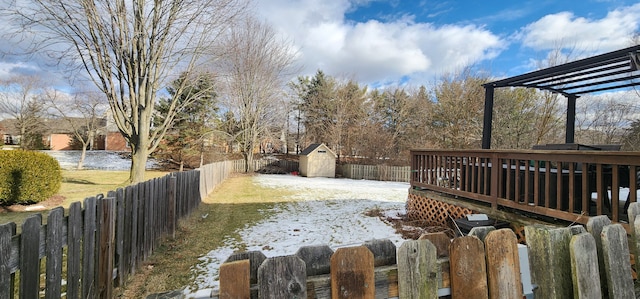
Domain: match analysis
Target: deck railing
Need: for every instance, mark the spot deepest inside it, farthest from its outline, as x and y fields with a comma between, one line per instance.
x=568, y=185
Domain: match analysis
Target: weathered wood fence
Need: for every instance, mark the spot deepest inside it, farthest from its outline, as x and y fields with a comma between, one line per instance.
x=561, y=262
x=266, y=164
x=375, y=172
x=100, y=242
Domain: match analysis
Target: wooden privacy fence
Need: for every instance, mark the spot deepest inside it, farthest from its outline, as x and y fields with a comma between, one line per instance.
x=375, y=172
x=559, y=261
x=100, y=242
x=267, y=164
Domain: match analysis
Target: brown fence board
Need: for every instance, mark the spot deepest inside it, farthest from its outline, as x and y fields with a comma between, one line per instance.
x=468, y=268
x=503, y=264
x=6, y=278
x=256, y=258
x=119, y=236
x=352, y=274
x=29, y=258
x=384, y=252
x=282, y=277
x=235, y=280
x=440, y=240
x=89, y=249
x=105, y=238
x=74, y=238
x=54, y=243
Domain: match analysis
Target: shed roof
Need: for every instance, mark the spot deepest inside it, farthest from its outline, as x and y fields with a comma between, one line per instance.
x=313, y=147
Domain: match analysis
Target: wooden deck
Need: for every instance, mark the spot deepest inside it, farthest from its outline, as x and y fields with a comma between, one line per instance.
x=569, y=185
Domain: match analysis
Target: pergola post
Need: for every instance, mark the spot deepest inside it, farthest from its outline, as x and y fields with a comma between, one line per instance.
x=571, y=119
x=488, y=116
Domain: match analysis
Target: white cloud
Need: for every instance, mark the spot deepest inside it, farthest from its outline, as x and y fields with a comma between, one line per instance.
x=564, y=29
x=375, y=51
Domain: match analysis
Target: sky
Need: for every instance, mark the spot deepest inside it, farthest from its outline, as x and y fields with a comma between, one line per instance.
x=386, y=42
x=393, y=42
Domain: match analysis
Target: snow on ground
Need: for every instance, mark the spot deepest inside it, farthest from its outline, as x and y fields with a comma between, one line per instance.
x=323, y=211
x=103, y=160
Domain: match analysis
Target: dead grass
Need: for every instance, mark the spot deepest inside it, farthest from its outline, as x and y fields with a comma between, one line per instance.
x=236, y=203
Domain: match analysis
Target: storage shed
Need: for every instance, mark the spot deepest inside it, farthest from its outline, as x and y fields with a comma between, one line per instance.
x=318, y=160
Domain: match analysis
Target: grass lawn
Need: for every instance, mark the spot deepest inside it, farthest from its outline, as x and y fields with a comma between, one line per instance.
x=234, y=204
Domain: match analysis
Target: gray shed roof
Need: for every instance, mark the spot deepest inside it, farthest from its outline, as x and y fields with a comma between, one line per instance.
x=310, y=149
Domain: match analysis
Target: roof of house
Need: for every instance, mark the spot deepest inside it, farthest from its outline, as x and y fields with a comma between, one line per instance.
x=313, y=147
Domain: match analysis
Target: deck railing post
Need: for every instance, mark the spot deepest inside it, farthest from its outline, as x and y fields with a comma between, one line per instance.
x=495, y=183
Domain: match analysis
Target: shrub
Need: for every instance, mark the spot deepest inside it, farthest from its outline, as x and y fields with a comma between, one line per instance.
x=28, y=177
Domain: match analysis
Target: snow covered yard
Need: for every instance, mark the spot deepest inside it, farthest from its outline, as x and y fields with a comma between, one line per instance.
x=322, y=211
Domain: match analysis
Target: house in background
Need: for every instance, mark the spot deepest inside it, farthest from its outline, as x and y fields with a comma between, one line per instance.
x=58, y=134
x=318, y=160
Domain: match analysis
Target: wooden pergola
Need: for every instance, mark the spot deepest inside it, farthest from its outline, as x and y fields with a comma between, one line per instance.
x=614, y=70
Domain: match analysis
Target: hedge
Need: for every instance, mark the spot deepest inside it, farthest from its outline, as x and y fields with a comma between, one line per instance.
x=28, y=177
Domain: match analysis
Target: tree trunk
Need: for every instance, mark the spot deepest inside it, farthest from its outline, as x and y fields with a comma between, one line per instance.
x=138, y=164
x=83, y=154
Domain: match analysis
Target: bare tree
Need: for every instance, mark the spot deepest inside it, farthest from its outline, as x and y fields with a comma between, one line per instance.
x=254, y=67
x=84, y=113
x=604, y=119
x=131, y=50
x=456, y=119
x=20, y=100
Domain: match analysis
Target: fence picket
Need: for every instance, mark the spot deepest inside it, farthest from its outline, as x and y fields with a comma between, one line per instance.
x=74, y=238
x=282, y=277
x=615, y=250
x=105, y=247
x=6, y=281
x=352, y=274
x=584, y=266
x=383, y=250
x=595, y=225
x=503, y=264
x=54, y=243
x=417, y=270
x=550, y=260
x=235, y=280
x=119, y=236
x=89, y=249
x=467, y=268
x=317, y=259
x=30, y=259
x=440, y=240
x=256, y=258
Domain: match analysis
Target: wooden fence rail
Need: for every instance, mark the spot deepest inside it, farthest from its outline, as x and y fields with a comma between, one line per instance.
x=562, y=262
x=101, y=242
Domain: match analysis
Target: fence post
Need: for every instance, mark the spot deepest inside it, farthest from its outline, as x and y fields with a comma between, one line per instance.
x=89, y=249
x=467, y=266
x=352, y=274
x=584, y=266
x=282, y=277
x=550, y=261
x=30, y=259
x=615, y=249
x=503, y=264
x=54, y=244
x=417, y=272
x=171, y=193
